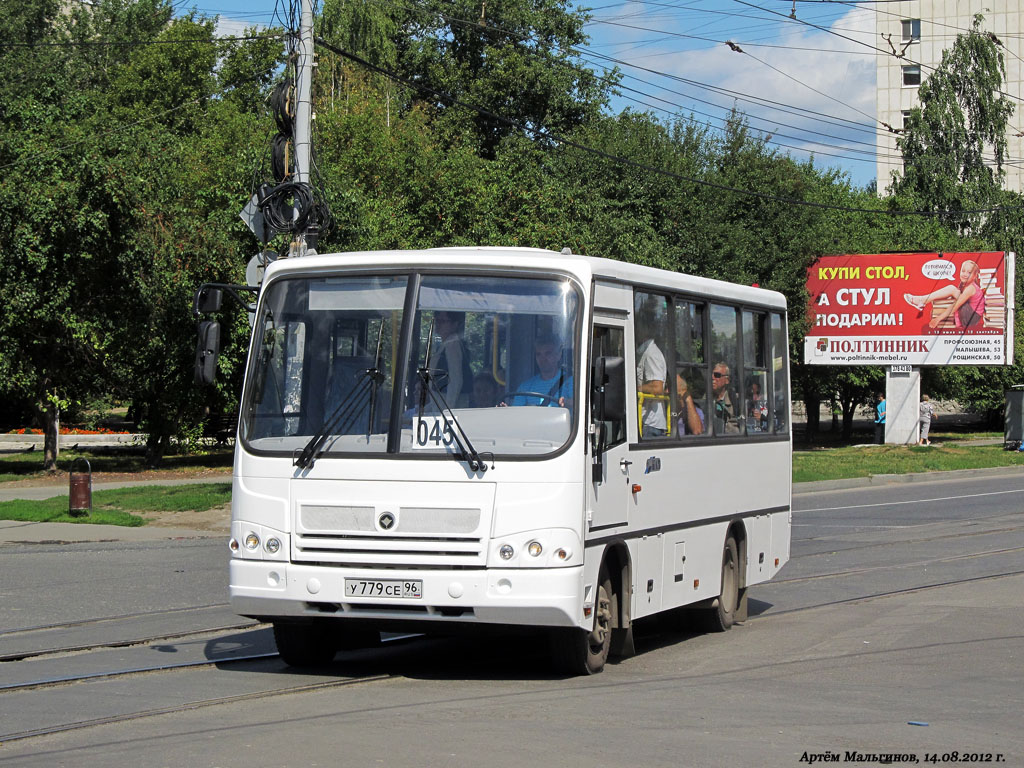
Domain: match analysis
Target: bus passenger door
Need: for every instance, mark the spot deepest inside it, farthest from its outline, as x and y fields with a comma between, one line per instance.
x=609, y=496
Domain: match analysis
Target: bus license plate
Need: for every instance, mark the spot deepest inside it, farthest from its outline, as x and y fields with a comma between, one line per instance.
x=406, y=589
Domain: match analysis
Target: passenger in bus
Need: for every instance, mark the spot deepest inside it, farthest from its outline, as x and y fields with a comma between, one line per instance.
x=485, y=391
x=690, y=416
x=552, y=382
x=651, y=377
x=757, y=408
x=452, y=358
x=726, y=413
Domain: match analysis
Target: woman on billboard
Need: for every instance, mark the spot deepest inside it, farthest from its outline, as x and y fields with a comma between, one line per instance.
x=968, y=307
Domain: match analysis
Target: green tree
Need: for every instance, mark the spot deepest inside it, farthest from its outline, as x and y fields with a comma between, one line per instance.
x=954, y=144
x=60, y=236
x=954, y=149
x=514, y=59
x=123, y=172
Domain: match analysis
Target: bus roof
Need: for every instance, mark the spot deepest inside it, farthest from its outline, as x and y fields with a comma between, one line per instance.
x=584, y=268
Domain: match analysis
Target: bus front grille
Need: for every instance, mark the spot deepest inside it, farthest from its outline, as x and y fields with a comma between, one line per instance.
x=389, y=537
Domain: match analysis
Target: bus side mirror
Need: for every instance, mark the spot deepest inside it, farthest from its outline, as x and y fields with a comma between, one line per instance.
x=206, y=352
x=609, y=388
x=209, y=299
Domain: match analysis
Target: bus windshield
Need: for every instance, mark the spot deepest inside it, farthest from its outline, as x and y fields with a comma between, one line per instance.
x=340, y=364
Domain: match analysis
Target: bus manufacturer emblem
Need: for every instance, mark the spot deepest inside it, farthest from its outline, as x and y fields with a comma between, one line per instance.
x=386, y=521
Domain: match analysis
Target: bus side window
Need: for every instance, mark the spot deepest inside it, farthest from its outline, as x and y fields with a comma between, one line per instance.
x=780, y=389
x=609, y=342
x=654, y=408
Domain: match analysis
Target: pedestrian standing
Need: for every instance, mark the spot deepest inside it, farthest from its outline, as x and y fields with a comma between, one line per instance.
x=880, y=420
x=925, y=412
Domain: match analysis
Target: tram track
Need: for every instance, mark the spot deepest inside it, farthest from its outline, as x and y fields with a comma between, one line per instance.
x=901, y=542
x=108, y=684
x=69, y=679
x=186, y=707
x=118, y=631
x=323, y=685
x=112, y=675
x=103, y=619
x=909, y=564
x=63, y=649
x=889, y=593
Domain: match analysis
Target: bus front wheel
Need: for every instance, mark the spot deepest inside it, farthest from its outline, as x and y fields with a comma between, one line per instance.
x=723, y=614
x=579, y=652
x=304, y=645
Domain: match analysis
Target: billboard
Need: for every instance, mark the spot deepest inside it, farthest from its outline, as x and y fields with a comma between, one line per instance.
x=911, y=309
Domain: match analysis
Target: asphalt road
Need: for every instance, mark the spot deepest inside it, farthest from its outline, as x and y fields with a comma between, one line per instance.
x=896, y=628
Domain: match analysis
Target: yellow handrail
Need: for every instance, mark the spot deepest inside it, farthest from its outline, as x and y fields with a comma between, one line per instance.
x=494, y=355
x=640, y=398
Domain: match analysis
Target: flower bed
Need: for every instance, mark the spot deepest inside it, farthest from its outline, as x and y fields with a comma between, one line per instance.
x=68, y=431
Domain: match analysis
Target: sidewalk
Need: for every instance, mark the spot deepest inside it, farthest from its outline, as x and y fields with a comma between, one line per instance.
x=16, y=532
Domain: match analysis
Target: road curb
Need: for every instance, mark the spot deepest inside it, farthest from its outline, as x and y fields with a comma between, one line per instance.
x=915, y=477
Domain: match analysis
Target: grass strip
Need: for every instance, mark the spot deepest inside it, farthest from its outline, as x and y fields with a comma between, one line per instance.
x=863, y=461
x=117, y=506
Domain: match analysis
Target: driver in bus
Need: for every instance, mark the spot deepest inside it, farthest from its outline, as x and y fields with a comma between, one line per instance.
x=552, y=384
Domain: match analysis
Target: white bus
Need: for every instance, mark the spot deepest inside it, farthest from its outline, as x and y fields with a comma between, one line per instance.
x=506, y=438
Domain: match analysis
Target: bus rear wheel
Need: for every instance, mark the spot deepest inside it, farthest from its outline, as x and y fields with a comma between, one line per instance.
x=579, y=652
x=722, y=616
x=308, y=644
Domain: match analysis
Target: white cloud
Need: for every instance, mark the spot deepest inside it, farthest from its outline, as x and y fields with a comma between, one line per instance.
x=232, y=27
x=815, y=71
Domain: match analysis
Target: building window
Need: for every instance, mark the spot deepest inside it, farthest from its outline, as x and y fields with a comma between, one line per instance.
x=912, y=76
x=906, y=118
x=911, y=30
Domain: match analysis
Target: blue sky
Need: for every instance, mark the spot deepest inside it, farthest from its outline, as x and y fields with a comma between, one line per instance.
x=809, y=82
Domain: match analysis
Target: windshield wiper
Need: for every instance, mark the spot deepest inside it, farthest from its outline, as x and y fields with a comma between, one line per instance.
x=343, y=415
x=428, y=386
x=376, y=375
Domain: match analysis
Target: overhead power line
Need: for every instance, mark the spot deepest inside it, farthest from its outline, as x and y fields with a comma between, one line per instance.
x=812, y=146
x=817, y=147
x=131, y=43
x=542, y=133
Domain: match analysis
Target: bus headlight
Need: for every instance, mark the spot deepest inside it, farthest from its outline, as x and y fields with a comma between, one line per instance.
x=272, y=545
x=546, y=548
x=252, y=541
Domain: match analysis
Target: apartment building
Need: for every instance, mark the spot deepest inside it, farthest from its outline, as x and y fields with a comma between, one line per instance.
x=921, y=30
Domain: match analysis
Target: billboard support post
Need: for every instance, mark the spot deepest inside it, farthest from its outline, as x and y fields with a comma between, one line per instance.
x=902, y=399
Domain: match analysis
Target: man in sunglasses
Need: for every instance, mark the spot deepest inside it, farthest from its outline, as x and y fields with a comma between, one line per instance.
x=726, y=420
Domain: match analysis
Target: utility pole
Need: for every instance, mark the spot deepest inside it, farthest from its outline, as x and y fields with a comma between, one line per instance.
x=303, y=133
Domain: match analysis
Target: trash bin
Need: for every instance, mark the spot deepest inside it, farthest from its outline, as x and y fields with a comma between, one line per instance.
x=1014, y=418
x=80, y=488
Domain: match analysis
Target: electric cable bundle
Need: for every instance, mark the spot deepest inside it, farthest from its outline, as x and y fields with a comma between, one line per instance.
x=290, y=205
x=287, y=206
x=281, y=101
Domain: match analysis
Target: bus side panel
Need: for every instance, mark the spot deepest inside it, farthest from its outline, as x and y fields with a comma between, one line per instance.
x=759, y=549
x=782, y=531
x=676, y=568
